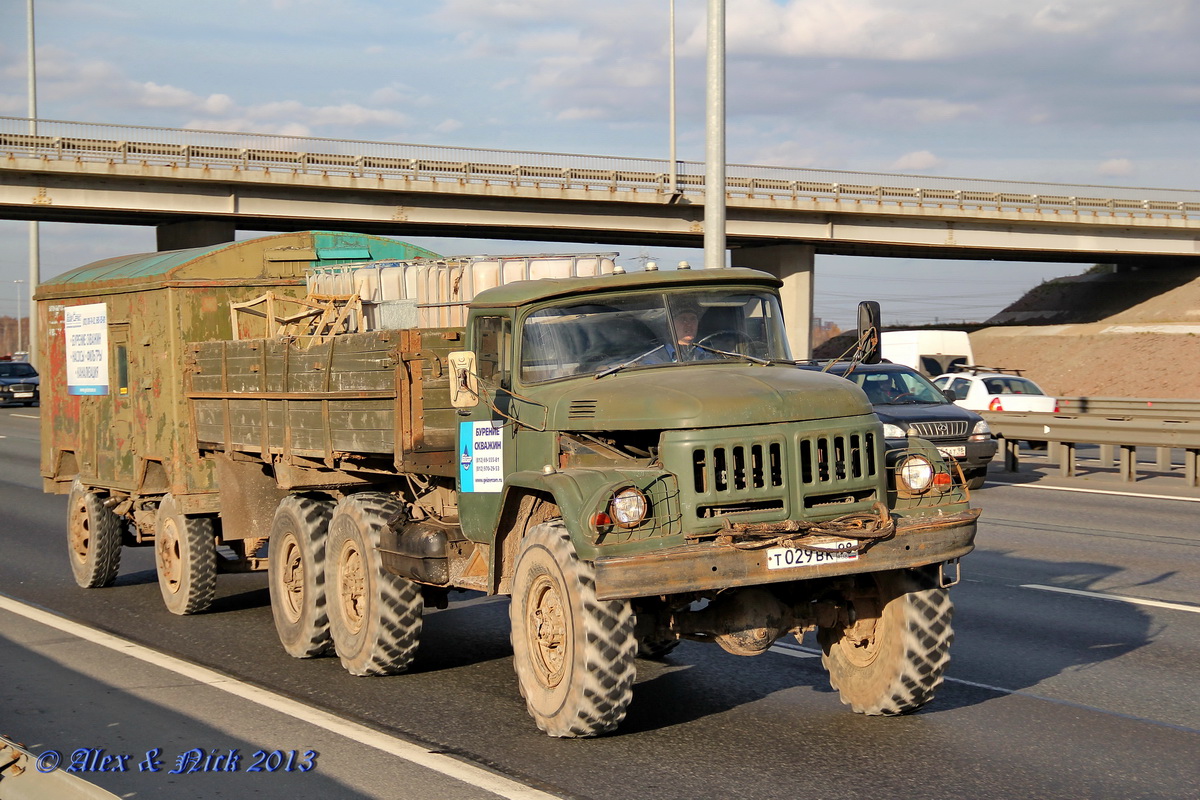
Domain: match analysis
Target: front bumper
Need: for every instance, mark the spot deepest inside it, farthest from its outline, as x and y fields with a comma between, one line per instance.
x=919, y=541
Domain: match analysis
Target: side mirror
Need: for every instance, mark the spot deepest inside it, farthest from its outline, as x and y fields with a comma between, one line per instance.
x=868, y=332
x=951, y=395
x=464, y=381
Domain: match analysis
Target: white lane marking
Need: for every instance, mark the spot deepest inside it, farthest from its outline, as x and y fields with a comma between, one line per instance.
x=437, y=762
x=804, y=652
x=1096, y=491
x=1137, y=601
x=25, y=416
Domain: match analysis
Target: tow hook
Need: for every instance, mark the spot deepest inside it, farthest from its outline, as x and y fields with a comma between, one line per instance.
x=944, y=579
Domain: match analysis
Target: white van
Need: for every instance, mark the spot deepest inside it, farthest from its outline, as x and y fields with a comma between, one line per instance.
x=929, y=352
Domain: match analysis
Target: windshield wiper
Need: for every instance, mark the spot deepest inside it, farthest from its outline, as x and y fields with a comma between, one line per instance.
x=751, y=359
x=634, y=360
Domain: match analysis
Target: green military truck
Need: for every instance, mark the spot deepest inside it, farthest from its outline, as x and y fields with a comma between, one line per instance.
x=632, y=458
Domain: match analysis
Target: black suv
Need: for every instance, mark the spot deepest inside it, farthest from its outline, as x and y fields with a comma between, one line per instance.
x=18, y=383
x=909, y=405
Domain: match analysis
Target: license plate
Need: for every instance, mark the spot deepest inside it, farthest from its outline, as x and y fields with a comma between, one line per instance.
x=813, y=555
x=22, y=394
x=955, y=452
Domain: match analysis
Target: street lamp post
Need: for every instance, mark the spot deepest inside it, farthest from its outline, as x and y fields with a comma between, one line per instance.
x=35, y=260
x=20, y=343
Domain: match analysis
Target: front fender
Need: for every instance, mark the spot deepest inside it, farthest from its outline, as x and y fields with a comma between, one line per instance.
x=580, y=493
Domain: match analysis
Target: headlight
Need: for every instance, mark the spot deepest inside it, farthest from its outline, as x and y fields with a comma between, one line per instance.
x=891, y=431
x=915, y=474
x=981, y=432
x=628, y=507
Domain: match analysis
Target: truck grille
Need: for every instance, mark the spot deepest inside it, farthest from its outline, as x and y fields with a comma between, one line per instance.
x=742, y=467
x=940, y=430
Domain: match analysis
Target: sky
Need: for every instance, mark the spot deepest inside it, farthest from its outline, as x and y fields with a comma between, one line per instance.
x=1076, y=91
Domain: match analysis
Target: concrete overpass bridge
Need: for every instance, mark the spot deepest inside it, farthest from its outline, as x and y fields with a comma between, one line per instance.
x=201, y=187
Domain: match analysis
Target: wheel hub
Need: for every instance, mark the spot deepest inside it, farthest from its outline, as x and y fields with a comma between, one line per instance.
x=292, y=578
x=352, y=588
x=166, y=546
x=81, y=535
x=548, y=631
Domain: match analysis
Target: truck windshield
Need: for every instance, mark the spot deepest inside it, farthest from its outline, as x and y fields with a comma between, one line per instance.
x=652, y=329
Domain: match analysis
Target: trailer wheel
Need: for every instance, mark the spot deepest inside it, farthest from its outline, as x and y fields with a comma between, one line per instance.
x=296, y=575
x=93, y=539
x=374, y=616
x=891, y=661
x=574, y=654
x=185, y=555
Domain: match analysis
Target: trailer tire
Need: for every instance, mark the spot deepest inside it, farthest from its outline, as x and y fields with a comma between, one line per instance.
x=185, y=557
x=93, y=539
x=296, y=575
x=901, y=666
x=374, y=616
x=574, y=654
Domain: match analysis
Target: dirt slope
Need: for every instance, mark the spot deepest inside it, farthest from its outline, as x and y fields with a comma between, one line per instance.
x=1116, y=336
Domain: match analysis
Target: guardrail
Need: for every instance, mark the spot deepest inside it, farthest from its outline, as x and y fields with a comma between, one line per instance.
x=77, y=141
x=1119, y=426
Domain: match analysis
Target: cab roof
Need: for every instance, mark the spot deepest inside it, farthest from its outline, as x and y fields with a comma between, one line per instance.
x=525, y=292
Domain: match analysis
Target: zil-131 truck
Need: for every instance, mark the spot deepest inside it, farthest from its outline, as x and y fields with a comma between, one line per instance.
x=634, y=459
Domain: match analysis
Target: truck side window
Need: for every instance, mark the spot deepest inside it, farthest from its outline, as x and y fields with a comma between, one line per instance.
x=493, y=343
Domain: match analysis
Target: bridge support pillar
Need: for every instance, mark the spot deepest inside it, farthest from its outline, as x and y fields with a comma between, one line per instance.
x=793, y=263
x=194, y=233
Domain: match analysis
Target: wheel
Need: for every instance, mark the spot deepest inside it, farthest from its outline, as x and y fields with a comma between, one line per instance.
x=738, y=337
x=296, y=575
x=896, y=664
x=185, y=555
x=374, y=616
x=93, y=539
x=574, y=654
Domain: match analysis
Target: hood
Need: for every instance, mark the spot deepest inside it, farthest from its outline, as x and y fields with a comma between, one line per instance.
x=700, y=396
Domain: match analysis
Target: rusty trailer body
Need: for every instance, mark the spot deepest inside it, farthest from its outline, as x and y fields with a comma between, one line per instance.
x=129, y=430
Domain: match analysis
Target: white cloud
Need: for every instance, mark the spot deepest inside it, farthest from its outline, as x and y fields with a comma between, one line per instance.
x=1116, y=168
x=919, y=161
x=576, y=113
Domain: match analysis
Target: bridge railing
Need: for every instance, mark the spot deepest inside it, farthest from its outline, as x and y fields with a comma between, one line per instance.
x=389, y=160
x=1117, y=425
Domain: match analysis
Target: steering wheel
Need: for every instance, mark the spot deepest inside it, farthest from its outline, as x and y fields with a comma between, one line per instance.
x=903, y=395
x=742, y=338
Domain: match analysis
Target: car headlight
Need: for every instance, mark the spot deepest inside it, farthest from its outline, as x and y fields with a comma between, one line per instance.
x=628, y=507
x=981, y=432
x=891, y=431
x=915, y=474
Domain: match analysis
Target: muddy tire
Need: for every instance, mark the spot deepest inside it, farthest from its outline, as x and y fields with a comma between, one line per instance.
x=93, y=539
x=374, y=616
x=901, y=665
x=185, y=556
x=296, y=575
x=574, y=654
